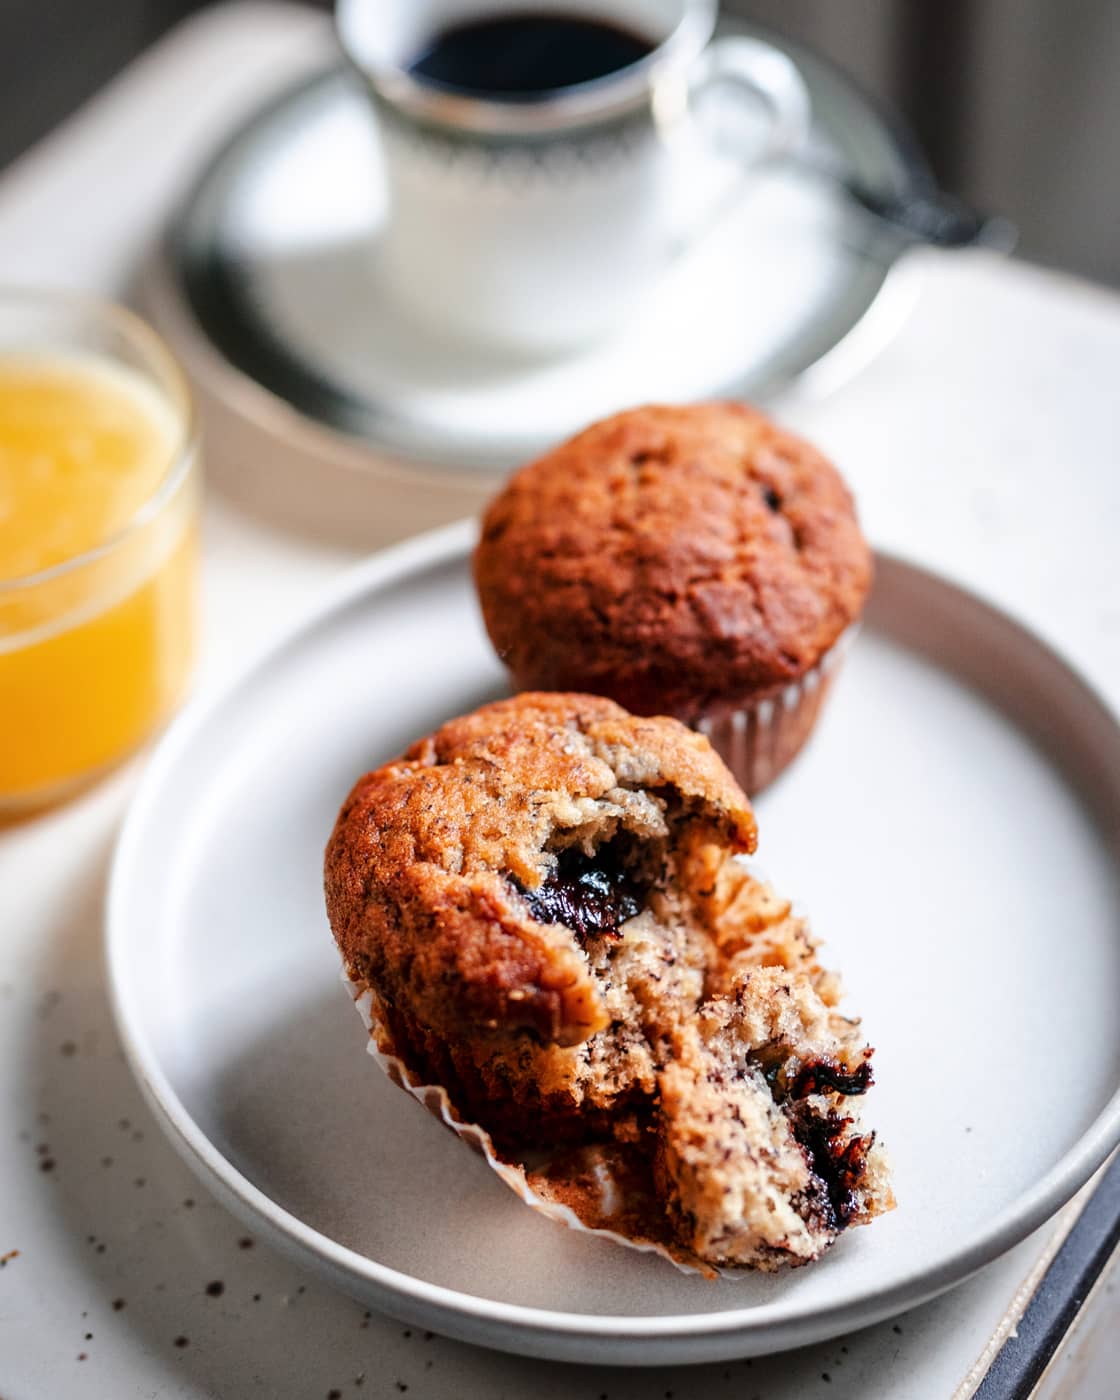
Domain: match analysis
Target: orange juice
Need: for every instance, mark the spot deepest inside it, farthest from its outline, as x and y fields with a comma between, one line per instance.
x=97, y=545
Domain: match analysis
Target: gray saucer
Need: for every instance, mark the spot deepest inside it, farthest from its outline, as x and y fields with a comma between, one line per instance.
x=267, y=286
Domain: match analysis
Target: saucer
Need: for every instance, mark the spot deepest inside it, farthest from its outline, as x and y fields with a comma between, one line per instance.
x=267, y=284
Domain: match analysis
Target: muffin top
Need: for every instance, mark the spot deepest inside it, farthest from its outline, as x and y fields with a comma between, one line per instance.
x=461, y=878
x=675, y=559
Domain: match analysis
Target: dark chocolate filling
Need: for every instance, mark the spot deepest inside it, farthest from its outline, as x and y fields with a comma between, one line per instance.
x=837, y=1165
x=820, y=1075
x=592, y=895
x=813, y=1077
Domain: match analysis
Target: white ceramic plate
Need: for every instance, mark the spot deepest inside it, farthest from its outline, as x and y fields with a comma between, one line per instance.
x=952, y=830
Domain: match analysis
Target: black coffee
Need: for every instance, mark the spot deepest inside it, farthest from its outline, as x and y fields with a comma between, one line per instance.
x=527, y=55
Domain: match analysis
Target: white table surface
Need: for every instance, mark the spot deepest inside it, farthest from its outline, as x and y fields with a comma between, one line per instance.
x=983, y=442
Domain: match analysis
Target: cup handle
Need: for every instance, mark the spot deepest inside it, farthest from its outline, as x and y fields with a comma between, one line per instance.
x=770, y=77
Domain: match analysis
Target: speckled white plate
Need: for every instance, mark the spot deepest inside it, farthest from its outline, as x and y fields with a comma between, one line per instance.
x=952, y=830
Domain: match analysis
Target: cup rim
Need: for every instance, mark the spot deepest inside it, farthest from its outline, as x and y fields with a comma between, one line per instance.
x=185, y=448
x=581, y=104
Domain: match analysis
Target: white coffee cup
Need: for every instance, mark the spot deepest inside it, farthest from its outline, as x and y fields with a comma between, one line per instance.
x=534, y=226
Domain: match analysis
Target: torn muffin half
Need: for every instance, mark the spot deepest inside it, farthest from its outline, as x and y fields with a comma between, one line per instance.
x=544, y=912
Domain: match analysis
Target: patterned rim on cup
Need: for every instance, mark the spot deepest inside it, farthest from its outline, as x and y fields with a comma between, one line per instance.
x=602, y=99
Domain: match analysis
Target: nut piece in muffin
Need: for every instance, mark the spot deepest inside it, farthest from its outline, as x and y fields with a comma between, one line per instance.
x=695, y=561
x=544, y=904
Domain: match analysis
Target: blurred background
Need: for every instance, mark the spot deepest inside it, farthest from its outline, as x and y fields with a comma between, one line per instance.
x=1017, y=102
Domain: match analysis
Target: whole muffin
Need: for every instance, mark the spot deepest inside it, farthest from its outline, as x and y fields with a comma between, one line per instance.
x=694, y=561
x=543, y=906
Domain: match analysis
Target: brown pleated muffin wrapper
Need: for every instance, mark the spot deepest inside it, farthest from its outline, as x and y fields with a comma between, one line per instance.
x=759, y=740
x=588, y=1190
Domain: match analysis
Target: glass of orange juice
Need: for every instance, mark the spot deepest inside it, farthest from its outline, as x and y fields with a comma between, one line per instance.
x=98, y=535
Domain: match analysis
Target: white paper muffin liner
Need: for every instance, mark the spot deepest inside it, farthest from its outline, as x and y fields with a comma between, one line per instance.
x=436, y=1100
x=758, y=740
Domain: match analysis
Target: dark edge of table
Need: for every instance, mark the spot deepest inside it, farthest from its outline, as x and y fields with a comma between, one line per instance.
x=1068, y=1281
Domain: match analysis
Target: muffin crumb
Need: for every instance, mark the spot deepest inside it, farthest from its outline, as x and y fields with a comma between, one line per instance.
x=544, y=905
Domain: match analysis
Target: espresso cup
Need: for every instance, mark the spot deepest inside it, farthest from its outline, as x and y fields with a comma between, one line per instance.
x=534, y=223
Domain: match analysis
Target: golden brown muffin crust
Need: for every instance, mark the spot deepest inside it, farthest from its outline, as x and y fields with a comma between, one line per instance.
x=417, y=869
x=543, y=908
x=674, y=558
